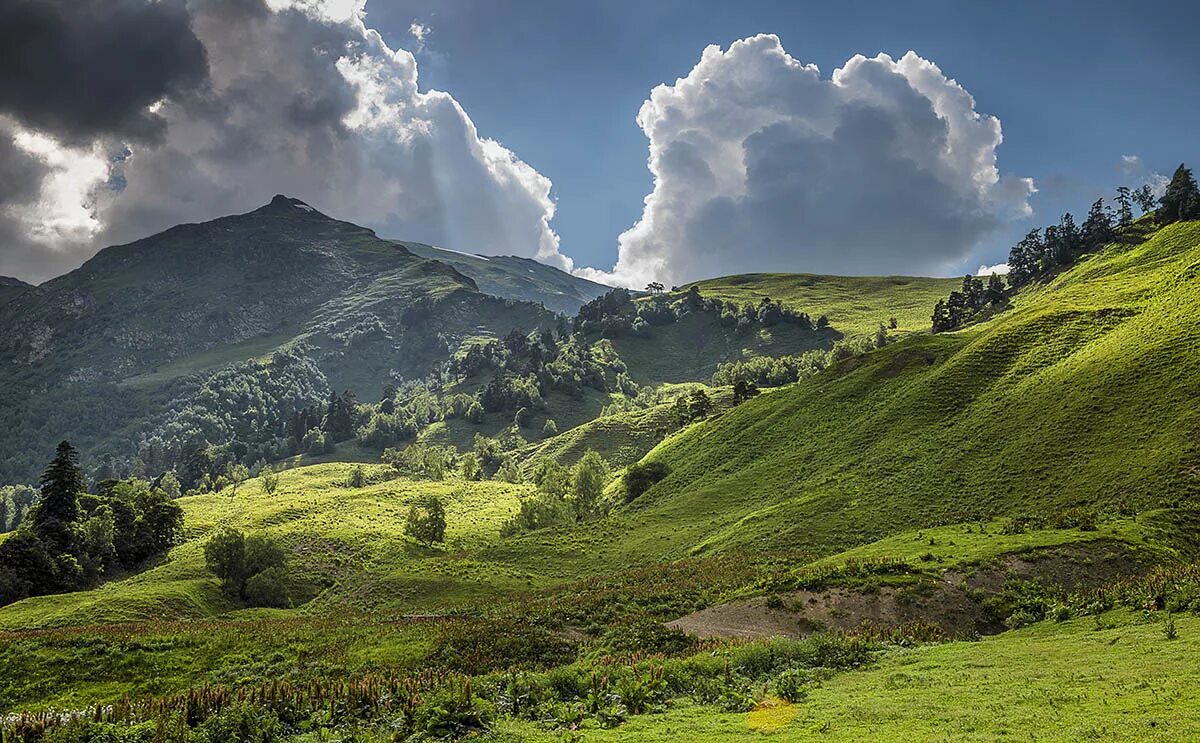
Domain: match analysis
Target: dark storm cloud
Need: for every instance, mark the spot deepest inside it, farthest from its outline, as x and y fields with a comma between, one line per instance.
x=83, y=68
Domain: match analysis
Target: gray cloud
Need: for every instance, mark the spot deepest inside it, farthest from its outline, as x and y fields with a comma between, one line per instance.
x=81, y=68
x=762, y=165
x=300, y=98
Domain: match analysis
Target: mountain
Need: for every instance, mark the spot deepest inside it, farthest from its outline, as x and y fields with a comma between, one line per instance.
x=517, y=278
x=135, y=331
x=10, y=288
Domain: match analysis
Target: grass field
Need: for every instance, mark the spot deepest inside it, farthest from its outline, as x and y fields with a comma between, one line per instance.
x=1109, y=678
x=855, y=305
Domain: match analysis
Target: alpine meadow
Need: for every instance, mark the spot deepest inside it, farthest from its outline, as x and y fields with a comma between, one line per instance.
x=386, y=456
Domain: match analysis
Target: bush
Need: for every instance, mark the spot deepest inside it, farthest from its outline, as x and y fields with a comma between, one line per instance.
x=357, y=478
x=453, y=714
x=642, y=476
x=793, y=685
x=643, y=634
x=242, y=722
x=550, y=429
x=268, y=588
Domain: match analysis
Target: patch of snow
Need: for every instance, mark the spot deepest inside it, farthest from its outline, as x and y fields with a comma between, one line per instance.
x=305, y=207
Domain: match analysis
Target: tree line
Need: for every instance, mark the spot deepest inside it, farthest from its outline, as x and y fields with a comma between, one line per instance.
x=1049, y=249
x=72, y=539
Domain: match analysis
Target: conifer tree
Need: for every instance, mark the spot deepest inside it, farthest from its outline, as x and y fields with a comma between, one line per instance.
x=1181, y=200
x=62, y=482
x=1124, y=206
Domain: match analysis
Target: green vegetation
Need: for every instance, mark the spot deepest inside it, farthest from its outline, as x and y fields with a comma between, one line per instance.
x=854, y=305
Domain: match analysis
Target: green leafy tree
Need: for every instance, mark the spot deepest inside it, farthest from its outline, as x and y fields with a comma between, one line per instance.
x=357, y=478
x=268, y=480
x=225, y=557
x=1144, y=196
x=426, y=521
x=588, y=481
x=995, y=290
x=743, y=390
x=550, y=428
x=699, y=405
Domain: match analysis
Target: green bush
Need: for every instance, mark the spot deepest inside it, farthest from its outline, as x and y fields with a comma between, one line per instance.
x=242, y=722
x=793, y=685
x=268, y=588
x=641, y=476
x=643, y=634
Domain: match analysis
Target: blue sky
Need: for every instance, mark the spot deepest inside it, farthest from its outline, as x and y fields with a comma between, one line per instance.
x=1076, y=85
x=760, y=163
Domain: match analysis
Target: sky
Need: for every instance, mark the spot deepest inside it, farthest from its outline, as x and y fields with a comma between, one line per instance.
x=622, y=141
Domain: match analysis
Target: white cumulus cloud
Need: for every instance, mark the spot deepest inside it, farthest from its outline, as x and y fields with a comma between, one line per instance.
x=760, y=164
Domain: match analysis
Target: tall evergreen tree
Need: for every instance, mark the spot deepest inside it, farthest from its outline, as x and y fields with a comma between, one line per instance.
x=62, y=482
x=1181, y=200
x=995, y=290
x=1098, y=227
x=1124, y=206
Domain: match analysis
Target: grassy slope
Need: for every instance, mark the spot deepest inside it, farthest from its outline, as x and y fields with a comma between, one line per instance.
x=1112, y=678
x=854, y=304
x=1081, y=394
x=346, y=544
x=518, y=278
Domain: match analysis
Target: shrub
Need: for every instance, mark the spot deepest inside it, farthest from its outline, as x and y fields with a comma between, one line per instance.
x=452, y=714
x=476, y=647
x=793, y=685
x=550, y=429
x=243, y=722
x=357, y=478
x=268, y=588
x=641, y=476
x=643, y=634
x=426, y=521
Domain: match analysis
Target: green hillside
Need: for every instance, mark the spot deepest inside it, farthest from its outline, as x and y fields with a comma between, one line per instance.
x=853, y=304
x=513, y=277
x=1031, y=477
x=1081, y=394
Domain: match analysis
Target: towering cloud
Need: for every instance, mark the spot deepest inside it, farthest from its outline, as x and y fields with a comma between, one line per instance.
x=257, y=97
x=759, y=164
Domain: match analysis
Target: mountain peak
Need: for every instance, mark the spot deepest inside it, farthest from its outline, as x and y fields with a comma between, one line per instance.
x=281, y=203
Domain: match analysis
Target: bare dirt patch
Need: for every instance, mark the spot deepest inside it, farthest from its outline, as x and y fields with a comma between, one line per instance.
x=951, y=601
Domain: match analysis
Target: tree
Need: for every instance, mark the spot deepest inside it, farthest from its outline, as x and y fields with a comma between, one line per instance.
x=426, y=521
x=1181, y=200
x=169, y=484
x=743, y=390
x=1025, y=259
x=641, y=476
x=550, y=428
x=655, y=287
x=1098, y=228
x=357, y=478
x=62, y=482
x=225, y=557
x=699, y=405
x=941, y=317
x=1144, y=196
x=1124, y=206
x=995, y=290
x=469, y=467
x=251, y=568
x=268, y=480
x=588, y=481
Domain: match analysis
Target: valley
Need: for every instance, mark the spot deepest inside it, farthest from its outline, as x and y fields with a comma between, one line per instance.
x=750, y=506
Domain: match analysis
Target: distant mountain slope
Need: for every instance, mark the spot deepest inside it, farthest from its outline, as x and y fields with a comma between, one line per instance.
x=853, y=304
x=134, y=333
x=10, y=288
x=517, y=278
